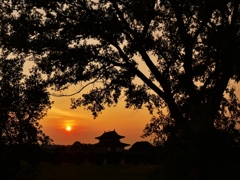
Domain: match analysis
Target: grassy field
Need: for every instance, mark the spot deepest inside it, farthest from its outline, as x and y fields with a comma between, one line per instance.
x=86, y=171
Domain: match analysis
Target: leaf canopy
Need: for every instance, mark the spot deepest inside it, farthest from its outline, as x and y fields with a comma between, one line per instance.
x=178, y=54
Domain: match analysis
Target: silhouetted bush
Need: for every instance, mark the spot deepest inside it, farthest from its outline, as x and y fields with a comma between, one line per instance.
x=145, y=158
x=32, y=154
x=96, y=158
x=9, y=161
x=141, y=158
x=79, y=157
x=136, y=158
x=75, y=146
x=128, y=157
x=99, y=158
x=66, y=157
x=142, y=152
x=46, y=156
x=141, y=146
x=132, y=157
x=113, y=158
x=54, y=157
x=90, y=157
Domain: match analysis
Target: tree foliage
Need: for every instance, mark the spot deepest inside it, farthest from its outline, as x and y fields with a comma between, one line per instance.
x=23, y=102
x=176, y=55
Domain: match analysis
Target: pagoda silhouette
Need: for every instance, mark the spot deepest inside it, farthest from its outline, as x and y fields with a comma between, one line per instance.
x=110, y=141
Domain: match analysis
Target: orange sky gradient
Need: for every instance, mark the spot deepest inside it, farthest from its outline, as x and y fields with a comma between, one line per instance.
x=127, y=122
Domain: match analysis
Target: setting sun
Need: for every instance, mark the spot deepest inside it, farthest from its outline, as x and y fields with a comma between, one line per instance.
x=68, y=128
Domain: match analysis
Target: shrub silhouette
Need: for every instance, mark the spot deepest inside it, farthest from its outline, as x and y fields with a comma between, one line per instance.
x=32, y=154
x=9, y=161
x=79, y=157
x=128, y=157
x=141, y=146
x=113, y=158
x=96, y=158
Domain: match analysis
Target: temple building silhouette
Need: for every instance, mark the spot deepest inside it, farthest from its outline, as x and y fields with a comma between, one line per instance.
x=110, y=141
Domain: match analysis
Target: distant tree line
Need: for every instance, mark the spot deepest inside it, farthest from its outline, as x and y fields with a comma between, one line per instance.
x=135, y=155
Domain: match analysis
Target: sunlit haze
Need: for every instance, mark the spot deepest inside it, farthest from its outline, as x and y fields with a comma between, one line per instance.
x=126, y=122
x=84, y=128
x=68, y=128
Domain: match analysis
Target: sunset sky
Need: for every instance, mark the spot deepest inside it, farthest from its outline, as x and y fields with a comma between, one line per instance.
x=126, y=122
x=84, y=128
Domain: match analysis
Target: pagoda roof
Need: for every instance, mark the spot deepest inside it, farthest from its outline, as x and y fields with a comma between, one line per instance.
x=110, y=135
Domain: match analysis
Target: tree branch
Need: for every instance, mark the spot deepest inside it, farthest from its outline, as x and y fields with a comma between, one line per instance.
x=188, y=44
x=77, y=92
x=80, y=90
x=166, y=96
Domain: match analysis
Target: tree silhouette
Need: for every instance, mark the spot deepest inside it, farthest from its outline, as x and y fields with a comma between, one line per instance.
x=174, y=56
x=23, y=102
